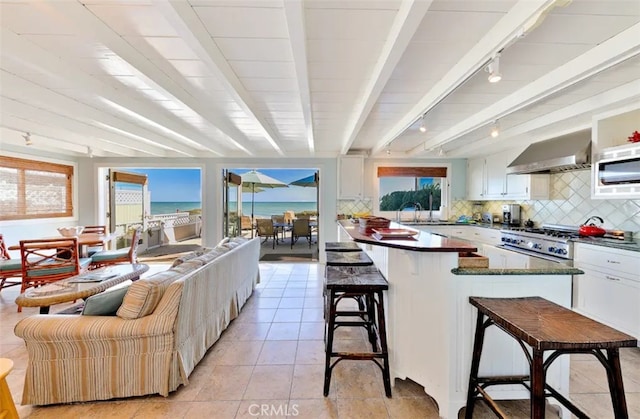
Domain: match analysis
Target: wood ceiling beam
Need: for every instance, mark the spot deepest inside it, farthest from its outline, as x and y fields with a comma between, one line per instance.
x=39, y=129
x=15, y=45
x=45, y=143
x=154, y=70
x=404, y=27
x=519, y=17
x=613, y=51
x=186, y=22
x=68, y=116
x=294, y=14
x=525, y=133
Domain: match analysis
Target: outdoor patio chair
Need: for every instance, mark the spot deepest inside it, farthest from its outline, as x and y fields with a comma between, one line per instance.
x=289, y=216
x=114, y=257
x=301, y=228
x=9, y=268
x=245, y=223
x=45, y=261
x=95, y=230
x=265, y=229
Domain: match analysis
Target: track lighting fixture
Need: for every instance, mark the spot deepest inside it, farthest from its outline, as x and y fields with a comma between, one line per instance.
x=441, y=152
x=495, y=130
x=27, y=139
x=423, y=127
x=494, y=70
x=90, y=152
x=388, y=149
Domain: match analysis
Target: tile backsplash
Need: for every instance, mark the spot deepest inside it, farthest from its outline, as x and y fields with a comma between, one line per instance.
x=570, y=203
x=350, y=206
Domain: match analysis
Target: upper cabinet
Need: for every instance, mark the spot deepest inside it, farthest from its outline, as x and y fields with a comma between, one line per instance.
x=351, y=177
x=487, y=179
x=476, y=180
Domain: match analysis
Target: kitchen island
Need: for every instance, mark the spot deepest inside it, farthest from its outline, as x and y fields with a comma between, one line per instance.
x=430, y=323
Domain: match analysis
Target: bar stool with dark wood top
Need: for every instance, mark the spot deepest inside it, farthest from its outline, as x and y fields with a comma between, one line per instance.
x=342, y=247
x=345, y=282
x=348, y=259
x=545, y=326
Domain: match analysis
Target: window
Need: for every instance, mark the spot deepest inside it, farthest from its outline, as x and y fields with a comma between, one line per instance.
x=401, y=188
x=34, y=189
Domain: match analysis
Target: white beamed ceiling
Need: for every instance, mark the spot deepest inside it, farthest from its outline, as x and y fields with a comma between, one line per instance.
x=314, y=78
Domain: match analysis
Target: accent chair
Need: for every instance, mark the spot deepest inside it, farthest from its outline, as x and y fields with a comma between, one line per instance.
x=9, y=268
x=113, y=257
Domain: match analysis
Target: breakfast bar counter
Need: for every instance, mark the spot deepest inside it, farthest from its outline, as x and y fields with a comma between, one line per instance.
x=430, y=323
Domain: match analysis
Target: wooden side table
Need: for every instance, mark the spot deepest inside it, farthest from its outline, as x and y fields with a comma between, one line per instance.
x=7, y=407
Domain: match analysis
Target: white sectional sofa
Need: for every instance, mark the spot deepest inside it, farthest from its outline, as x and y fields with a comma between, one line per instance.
x=163, y=328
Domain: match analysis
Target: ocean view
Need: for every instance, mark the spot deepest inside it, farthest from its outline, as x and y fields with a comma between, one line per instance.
x=261, y=209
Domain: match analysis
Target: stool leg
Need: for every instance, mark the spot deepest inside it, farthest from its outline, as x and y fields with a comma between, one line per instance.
x=475, y=365
x=616, y=388
x=537, y=385
x=371, y=320
x=329, y=348
x=382, y=331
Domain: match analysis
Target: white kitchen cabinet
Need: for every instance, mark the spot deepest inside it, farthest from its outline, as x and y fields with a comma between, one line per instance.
x=488, y=180
x=476, y=180
x=351, y=177
x=609, y=289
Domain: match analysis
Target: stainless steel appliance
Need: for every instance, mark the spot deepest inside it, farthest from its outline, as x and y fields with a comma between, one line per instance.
x=551, y=242
x=511, y=215
x=617, y=172
x=568, y=152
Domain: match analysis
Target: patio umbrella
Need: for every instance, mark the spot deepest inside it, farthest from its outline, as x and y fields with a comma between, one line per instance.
x=310, y=181
x=256, y=180
x=307, y=182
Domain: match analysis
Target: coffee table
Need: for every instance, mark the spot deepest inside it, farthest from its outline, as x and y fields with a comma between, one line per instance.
x=71, y=289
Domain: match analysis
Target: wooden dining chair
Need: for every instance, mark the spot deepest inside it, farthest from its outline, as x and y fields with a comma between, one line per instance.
x=49, y=260
x=102, y=230
x=9, y=268
x=301, y=228
x=114, y=257
x=265, y=229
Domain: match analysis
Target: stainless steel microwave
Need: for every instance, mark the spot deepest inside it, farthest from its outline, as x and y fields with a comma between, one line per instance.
x=617, y=173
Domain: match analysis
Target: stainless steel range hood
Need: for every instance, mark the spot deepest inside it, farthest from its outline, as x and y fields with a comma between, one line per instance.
x=568, y=152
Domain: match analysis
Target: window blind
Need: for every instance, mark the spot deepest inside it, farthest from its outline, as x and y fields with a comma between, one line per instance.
x=33, y=189
x=412, y=171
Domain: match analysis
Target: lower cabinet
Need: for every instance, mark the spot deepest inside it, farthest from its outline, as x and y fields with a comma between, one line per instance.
x=610, y=295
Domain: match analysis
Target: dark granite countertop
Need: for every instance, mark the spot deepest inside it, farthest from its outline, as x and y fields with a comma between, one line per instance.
x=421, y=242
x=633, y=246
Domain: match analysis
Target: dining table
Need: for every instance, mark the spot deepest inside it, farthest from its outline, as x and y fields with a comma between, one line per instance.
x=85, y=240
x=80, y=286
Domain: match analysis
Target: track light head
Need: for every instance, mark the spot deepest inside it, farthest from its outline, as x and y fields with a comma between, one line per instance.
x=495, y=130
x=27, y=139
x=90, y=152
x=494, y=70
x=423, y=127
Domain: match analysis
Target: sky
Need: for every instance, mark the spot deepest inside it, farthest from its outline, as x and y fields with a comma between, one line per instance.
x=290, y=194
x=184, y=185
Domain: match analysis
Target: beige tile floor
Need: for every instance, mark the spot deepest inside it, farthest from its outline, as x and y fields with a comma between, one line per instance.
x=271, y=358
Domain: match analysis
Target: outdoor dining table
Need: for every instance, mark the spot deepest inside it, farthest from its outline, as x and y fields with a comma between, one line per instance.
x=84, y=241
x=79, y=286
x=284, y=227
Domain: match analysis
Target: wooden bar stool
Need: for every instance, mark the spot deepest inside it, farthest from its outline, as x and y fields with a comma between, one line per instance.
x=342, y=247
x=545, y=326
x=348, y=259
x=368, y=282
